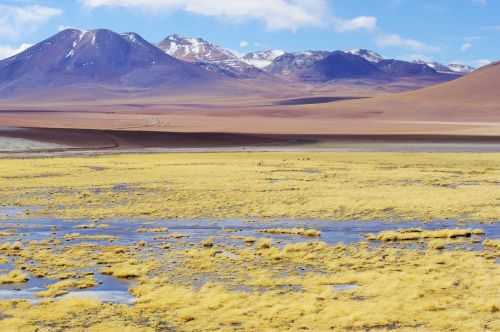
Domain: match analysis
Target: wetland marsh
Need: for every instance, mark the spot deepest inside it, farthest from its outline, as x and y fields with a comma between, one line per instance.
x=287, y=241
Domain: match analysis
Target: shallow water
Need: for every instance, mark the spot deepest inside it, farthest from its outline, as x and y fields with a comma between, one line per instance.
x=126, y=231
x=108, y=289
x=112, y=290
x=11, y=212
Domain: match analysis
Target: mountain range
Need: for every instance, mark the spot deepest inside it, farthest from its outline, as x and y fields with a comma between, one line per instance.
x=107, y=59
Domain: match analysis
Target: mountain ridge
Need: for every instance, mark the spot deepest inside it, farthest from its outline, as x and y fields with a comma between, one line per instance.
x=102, y=57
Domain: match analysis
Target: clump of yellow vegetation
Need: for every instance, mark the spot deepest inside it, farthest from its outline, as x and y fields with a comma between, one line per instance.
x=152, y=230
x=97, y=237
x=419, y=234
x=346, y=186
x=208, y=243
x=293, y=231
x=13, y=277
x=492, y=244
x=128, y=270
x=247, y=239
x=264, y=244
x=91, y=226
x=11, y=246
x=64, y=286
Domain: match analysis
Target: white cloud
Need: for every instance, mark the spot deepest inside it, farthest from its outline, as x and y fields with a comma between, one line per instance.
x=395, y=40
x=244, y=44
x=275, y=14
x=359, y=23
x=15, y=20
x=465, y=47
x=483, y=62
x=8, y=51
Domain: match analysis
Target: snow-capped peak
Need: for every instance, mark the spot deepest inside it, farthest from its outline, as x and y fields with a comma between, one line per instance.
x=447, y=69
x=195, y=49
x=440, y=68
x=262, y=59
x=366, y=54
x=130, y=36
x=212, y=57
x=460, y=68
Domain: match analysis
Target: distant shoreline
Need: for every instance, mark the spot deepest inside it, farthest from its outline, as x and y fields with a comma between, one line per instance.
x=45, y=141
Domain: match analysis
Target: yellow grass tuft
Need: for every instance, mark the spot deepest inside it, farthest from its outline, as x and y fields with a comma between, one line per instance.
x=64, y=286
x=418, y=234
x=293, y=231
x=14, y=277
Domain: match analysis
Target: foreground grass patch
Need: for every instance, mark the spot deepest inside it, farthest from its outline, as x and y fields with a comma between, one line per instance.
x=302, y=286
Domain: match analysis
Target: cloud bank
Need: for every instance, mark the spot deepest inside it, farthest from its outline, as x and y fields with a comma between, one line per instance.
x=8, y=51
x=368, y=23
x=275, y=14
x=15, y=20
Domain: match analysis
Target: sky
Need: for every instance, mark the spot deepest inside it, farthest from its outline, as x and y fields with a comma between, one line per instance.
x=447, y=31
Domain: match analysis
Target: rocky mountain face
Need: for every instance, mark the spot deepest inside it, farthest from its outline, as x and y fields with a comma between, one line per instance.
x=209, y=56
x=74, y=57
x=366, y=54
x=447, y=69
x=398, y=68
x=321, y=66
x=340, y=65
x=291, y=65
x=262, y=59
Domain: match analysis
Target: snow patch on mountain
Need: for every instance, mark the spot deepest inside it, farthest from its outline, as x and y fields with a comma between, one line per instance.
x=195, y=50
x=459, y=68
x=366, y=54
x=447, y=69
x=262, y=59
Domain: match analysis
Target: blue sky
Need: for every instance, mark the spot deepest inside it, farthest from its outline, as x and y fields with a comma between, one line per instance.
x=465, y=31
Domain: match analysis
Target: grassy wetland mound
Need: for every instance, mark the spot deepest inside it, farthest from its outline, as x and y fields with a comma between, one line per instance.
x=330, y=186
